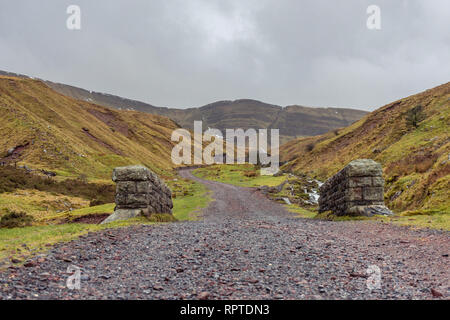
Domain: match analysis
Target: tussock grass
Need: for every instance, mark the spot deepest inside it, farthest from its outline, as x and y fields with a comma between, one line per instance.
x=14, y=219
x=329, y=216
x=12, y=179
x=82, y=143
x=414, y=219
x=38, y=204
x=430, y=221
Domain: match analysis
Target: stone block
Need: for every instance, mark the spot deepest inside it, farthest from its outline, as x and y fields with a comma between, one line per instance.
x=354, y=182
x=373, y=194
x=131, y=173
x=125, y=187
x=377, y=182
x=123, y=214
x=139, y=191
x=359, y=186
x=353, y=194
x=121, y=199
x=143, y=187
x=137, y=200
x=363, y=168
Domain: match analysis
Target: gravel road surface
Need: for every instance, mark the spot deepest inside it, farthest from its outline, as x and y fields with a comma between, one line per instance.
x=245, y=247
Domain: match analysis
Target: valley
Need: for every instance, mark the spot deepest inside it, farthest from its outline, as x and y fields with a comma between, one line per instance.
x=57, y=154
x=225, y=159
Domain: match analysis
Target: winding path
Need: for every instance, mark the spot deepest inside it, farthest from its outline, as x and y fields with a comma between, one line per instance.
x=246, y=247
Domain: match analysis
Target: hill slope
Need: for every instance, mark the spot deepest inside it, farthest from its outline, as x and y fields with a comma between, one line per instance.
x=416, y=161
x=47, y=130
x=293, y=121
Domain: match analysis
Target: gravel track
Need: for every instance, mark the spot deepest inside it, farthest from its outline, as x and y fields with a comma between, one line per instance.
x=246, y=247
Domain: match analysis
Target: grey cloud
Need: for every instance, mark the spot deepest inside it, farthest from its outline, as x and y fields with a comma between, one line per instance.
x=183, y=53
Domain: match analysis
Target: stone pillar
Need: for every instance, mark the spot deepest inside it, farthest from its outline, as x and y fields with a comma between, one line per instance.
x=139, y=191
x=358, y=189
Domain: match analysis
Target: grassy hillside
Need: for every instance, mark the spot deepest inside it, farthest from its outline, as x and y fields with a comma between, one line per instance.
x=416, y=160
x=293, y=121
x=81, y=142
x=47, y=130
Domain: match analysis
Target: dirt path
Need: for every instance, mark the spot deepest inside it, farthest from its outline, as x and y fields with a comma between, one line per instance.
x=246, y=247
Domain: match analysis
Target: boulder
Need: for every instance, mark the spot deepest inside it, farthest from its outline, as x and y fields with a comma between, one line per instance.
x=123, y=214
x=370, y=210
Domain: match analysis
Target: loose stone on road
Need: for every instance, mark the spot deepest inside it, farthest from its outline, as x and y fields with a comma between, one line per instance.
x=245, y=247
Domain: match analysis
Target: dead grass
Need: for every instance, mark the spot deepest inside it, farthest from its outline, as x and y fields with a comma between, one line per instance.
x=12, y=179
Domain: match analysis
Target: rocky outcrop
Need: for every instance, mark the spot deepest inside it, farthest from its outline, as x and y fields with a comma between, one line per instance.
x=139, y=191
x=358, y=189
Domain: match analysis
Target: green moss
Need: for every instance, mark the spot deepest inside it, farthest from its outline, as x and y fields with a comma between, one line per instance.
x=414, y=219
x=162, y=217
x=301, y=212
x=331, y=217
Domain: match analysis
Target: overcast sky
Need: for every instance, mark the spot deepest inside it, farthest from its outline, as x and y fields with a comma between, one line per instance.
x=184, y=53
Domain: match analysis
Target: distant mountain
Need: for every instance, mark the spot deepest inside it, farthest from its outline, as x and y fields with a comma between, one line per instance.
x=44, y=129
x=293, y=121
x=411, y=142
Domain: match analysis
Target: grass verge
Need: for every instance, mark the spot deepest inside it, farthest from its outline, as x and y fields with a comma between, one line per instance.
x=242, y=175
x=301, y=212
x=440, y=221
x=189, y=197
x=21, y=243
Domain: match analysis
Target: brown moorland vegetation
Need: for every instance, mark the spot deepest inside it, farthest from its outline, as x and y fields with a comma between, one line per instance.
x=44, y=129
x=411, y=142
